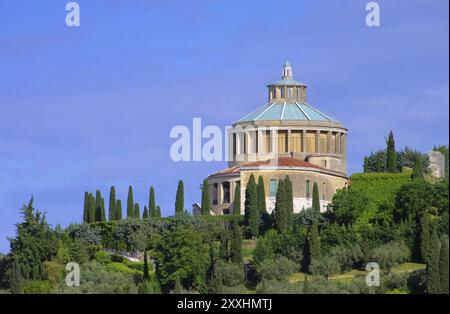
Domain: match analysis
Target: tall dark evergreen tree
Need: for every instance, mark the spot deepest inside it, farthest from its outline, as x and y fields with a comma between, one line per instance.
x=236, y=243
x=98, y=206
x=179, y=199
x=417, y=169
x=443, y=266
x=91, y=205
x=433, y=283
x=112, y=204
x=316, y=199
x=145, y=264
x=103, y=212
x=261, y=196
x=130, y=203
x=34, y=243
x=119, y=210
x=137, y=211
x=425, y=239
x=391, y=159
x=314, y=242
x=86, y=208
x=206, y=200
x=251, y=207
x=151, y=203
x=237, y=200
x=145, y=215
x=158, y=211
x=280, y=211
x=16, y=280
x=224, y=239
x=289, y=202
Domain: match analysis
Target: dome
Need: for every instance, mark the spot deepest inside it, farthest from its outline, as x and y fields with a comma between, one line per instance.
x=287, y=102
x=297, y=111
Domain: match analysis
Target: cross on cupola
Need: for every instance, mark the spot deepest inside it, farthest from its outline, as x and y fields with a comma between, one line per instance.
x=287, y=90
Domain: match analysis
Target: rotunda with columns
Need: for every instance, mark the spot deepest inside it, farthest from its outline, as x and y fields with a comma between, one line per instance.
x=285, y=137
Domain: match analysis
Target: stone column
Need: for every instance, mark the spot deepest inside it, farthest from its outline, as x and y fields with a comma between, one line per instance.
x=344, y=143
x=219, y=193
x=274, y=140
x=329, y=142
x=232, y=187
x=338, y=143
x=303, y=148
x=289, y=149
x=318, y=141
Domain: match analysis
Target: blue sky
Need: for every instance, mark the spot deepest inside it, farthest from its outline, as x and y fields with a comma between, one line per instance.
x=86, y=108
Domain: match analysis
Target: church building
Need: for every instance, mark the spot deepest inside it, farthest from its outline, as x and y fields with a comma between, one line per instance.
x=285, y=137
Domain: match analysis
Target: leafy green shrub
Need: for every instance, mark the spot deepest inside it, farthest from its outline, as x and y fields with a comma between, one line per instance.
x=278, y=268
x=121, y=267
x=325, y=266
x=232, y=274
x=37, y=287
x=103, y=257
x=278, y=287
x=117, y=258
x=390, y=254
x=97, y=279
x=54, y=271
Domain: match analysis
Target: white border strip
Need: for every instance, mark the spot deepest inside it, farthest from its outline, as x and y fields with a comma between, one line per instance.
x=307, y=117
x=264, y=111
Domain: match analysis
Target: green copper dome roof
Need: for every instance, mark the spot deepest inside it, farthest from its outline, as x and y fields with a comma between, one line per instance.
x=297, y=111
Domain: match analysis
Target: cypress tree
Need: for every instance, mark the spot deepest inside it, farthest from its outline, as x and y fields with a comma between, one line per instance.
x=119, y=210
x=280, y=212
x=237, y=200
x=443, y=266
x=417, y=169
x=158, y=211
x=206, y=200
x=432, y=270
x=151, y=203
x=314, y=242
x=261, y=196
x=112, y=204
x=179, y=199
x=16, y=279
x=145, y=264
x=236, y=244
x=91, y=208
x=251, y=206
x=103, y=210
x=137, y=211
x=130, y=203
x=86, y=208
x=425, y=239
x=289, y=201
x=224, y=237
x=145, y=214
x=178, y=286
x=306, y=285
x=316, y=199
x=391, y=155
x=98, y=206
